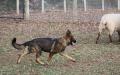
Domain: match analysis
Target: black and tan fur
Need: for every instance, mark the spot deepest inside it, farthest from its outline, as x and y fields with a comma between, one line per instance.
x=50, y=45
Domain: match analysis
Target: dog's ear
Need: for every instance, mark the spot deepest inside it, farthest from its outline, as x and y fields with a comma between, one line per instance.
x=68, y=32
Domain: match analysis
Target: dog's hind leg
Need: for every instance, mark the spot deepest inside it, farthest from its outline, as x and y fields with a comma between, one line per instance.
x=25, y=51
x=37, y=58
x=38, y=53
x=67, y=56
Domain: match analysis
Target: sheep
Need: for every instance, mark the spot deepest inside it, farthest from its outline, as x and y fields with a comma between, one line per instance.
x=110, y=22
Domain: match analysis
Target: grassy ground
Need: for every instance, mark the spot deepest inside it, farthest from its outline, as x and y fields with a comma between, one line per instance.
x=91, y=58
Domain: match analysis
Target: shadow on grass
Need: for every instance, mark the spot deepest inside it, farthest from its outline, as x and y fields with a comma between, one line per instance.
x=7, y=17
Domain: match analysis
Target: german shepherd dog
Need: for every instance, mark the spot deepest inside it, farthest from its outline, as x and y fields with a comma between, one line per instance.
x=50, y=45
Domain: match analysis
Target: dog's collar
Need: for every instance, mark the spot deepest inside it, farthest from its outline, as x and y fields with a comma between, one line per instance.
x=53, y=45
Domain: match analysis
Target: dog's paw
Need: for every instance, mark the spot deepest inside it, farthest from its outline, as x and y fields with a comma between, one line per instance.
x=17, y=63
x=47, y=63
x=73, y=60
x=40, y=62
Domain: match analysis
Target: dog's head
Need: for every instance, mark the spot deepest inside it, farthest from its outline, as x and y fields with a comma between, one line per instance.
x=70, y=38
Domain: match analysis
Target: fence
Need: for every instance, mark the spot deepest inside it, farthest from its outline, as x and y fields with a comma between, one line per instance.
x=17, y=6
x=82, y=4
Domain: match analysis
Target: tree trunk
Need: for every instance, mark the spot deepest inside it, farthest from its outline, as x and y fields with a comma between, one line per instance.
x=26, y=13
x=75, y=7
x=43, y=7
x=85, y=7
x=103, y=6
x=17, y=7
x=118, y=4
x=65, y=6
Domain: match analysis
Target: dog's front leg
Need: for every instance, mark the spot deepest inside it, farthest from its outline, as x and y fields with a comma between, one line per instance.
x=67, y=56
x=50, y=57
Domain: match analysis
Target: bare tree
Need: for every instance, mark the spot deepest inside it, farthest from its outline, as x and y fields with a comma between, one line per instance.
x=26, y=13
x=75, y=7
x=17, y=7
x=65, y=6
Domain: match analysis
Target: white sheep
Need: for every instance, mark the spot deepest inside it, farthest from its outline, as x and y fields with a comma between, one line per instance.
x=110, y=22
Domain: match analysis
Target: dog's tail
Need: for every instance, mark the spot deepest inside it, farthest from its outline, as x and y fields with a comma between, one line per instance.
x=17, y=46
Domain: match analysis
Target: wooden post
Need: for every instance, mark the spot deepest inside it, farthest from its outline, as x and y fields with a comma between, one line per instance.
x=65, y=10
x=103, y=7
x=26, y=13
x=75, y=9
x=85, y=6
x=17, y=7
x=43, y=7
x=118, y=4
x=75, y=6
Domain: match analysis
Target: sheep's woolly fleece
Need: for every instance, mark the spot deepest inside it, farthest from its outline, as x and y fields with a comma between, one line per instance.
x=111, y=22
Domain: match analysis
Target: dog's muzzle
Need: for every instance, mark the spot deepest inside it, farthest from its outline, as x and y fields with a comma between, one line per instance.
x=74, y=41
x=71, y=42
